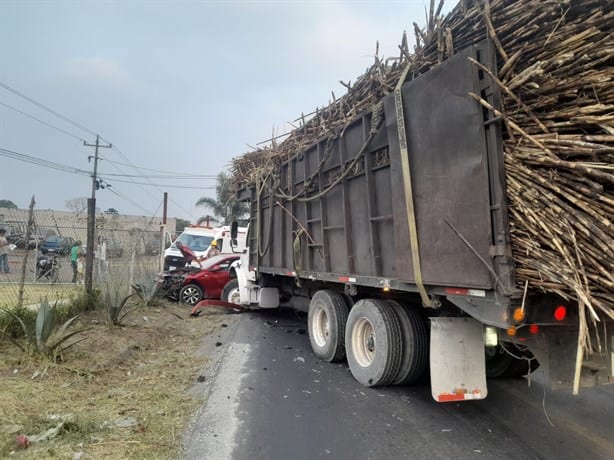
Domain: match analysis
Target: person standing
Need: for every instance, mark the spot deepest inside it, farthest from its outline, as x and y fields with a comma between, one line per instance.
x=4, y=251
x=74, y=259
x=213, y=250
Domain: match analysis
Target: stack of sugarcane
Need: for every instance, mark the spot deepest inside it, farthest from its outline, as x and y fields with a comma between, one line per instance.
x=555, y=72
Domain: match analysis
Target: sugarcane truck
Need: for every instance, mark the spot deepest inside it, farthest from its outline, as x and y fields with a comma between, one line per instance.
x=394, y=236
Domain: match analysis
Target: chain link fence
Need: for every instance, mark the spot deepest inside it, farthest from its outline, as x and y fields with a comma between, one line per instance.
x=127, y=250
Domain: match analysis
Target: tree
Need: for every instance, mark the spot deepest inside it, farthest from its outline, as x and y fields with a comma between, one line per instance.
x=225, y=206
x=180, y=224
x=78, y=205
x=7, y=204
x=111, y=211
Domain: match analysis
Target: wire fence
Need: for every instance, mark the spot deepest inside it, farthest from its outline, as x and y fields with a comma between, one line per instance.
x=127, y=250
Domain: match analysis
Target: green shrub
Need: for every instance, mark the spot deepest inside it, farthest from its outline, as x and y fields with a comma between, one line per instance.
x=82, y=301
x=44, y=333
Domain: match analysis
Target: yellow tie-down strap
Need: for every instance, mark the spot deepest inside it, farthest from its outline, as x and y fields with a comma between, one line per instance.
x=409, y=197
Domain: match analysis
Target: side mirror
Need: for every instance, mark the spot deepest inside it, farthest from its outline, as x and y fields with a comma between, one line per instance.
x=234, y=229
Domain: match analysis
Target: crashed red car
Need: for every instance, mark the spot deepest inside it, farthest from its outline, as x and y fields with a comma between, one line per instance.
x=208, y=282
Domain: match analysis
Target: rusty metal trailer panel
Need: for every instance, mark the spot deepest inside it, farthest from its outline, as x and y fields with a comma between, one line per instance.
x=341, y=213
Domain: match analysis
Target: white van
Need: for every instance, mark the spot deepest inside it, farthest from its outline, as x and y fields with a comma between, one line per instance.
x=199, y=238
x=196, y=237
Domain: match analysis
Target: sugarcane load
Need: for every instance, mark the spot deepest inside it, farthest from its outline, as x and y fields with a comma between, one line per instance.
x=463, y=190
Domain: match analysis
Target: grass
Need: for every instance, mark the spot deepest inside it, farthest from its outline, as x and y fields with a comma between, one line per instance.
x=33, y=293
x=139, y=371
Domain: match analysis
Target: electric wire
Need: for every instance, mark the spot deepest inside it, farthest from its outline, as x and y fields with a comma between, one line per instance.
x=141, y=168
x=133, y=166
x=186, y=187
x=50, y=110
x=43, y=122
x=129, y=200
x=93, y=133
x=42, y=162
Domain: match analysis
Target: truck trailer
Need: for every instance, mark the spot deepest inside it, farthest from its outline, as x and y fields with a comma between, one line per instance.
x=394, y=236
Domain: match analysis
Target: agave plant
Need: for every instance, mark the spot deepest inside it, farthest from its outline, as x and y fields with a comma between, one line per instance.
x=46, y=335
x=118, y=306
x=148, y=293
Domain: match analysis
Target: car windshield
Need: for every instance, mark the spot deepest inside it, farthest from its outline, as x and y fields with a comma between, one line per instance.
x=195, y=242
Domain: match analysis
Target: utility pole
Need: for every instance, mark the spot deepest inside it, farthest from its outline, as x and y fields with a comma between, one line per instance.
x=163, y=230
x=91, y=217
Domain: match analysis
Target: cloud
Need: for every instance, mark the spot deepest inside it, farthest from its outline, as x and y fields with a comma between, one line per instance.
x=97, y=69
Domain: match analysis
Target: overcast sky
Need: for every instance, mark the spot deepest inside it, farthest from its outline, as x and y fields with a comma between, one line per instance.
x=179, y=86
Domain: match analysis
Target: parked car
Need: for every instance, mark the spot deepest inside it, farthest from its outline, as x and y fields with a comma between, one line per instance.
x=19, y=240
x=57, y=245
x=208, y=282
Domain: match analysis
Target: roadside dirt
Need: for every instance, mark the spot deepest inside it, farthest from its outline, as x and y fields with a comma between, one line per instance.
x=122, y=393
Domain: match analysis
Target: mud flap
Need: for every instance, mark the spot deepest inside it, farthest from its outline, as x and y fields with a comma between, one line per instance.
x=458, y=368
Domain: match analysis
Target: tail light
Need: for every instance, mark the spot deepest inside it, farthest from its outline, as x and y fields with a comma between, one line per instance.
x=560, y=313
x=533, y=329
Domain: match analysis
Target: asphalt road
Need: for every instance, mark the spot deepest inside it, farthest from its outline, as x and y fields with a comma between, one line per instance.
x=268, y=397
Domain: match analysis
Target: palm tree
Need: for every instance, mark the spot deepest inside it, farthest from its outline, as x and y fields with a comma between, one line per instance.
x=225, y=206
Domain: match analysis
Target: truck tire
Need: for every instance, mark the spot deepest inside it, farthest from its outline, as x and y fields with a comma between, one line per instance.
x=415, y=344
x=191, y=294
x=373, y=342
x=230, y=293
x=328, y=314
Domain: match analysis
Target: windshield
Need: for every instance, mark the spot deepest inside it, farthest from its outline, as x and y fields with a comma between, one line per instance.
x=195, y=242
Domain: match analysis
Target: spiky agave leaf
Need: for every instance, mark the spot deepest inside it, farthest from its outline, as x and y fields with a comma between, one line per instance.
x=45, y=323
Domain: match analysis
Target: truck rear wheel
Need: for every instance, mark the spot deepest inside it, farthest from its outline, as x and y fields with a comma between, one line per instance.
x=415, y=344
x=326, y=321
x=373, y=342
x=501, y=364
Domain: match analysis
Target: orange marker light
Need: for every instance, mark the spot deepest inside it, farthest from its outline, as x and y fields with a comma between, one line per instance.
x=560, y=312
x=511, y=331
x=518, y=314
x=534, y=329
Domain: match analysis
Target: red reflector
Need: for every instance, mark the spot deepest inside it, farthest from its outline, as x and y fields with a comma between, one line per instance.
x=534, y=329
x=560, y=313
x=457, y=291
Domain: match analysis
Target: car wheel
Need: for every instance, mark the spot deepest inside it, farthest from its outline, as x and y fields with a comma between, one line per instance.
x=191, y=294
x=373, y=343
x=328, y=314
x=231, y=293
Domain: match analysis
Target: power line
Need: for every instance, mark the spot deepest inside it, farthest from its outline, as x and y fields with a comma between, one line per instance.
x=162, y=176
x=44, y=107
x=204, y=176
x=187, y=187
x=132, y=202
x=149, y=182
x=42, y=122
x=41, y=162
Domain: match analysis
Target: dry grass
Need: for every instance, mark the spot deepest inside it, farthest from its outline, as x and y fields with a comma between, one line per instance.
x=140, y=371
x=33, y=293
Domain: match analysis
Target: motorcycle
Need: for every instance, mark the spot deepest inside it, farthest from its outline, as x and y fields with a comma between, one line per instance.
x=47, y=267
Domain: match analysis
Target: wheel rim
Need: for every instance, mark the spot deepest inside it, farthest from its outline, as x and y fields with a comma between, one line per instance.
x=190, y=295
x=320, y=327
x=363, y=342
x=234, y=296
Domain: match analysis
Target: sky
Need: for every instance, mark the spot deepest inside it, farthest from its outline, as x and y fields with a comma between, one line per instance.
x=176, y=86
